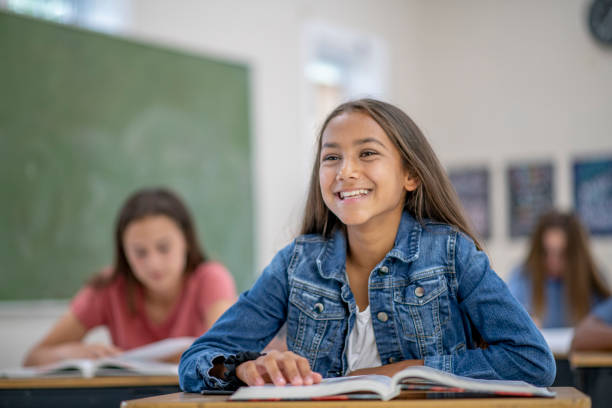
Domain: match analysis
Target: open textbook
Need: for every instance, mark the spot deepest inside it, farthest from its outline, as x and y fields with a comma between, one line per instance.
x=143, y=360
x=386, y=388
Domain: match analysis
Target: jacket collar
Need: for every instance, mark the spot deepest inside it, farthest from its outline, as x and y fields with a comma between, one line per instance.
x=331, y=261
x=408, y=239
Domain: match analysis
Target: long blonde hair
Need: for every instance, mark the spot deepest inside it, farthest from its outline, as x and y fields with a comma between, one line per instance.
x=580, y=276
x=434, y=199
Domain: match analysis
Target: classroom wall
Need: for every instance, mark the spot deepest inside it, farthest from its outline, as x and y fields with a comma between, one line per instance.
x=504, y=82
x=488, y=81
x=267, y=35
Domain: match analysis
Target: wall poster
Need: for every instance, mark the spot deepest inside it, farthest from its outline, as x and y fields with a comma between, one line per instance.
x=530, y=195
x=593, y=194
x=472, y=186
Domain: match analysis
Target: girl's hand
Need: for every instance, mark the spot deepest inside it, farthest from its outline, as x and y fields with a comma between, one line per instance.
x=279, y=368
x=64, y=341
x=86, y=350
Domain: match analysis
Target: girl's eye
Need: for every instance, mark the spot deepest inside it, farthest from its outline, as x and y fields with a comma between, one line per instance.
x=140, y=253
x=330, y=157
x=368, y=153
x=163, y=248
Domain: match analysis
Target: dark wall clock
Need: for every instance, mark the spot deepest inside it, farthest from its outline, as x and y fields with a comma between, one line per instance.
x=600, y=20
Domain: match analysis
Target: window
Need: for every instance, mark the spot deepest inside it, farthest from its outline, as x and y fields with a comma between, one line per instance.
x=99, y=15
x=340, y=65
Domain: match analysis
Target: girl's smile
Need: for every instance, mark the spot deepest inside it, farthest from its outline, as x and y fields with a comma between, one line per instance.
x=361, y=173
x=352, y=195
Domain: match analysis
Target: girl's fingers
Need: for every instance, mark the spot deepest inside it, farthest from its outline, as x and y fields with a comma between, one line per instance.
x=249, y=374
x=305, y=371
x=96, y=350
x=102, y=351
x=278, y=368
x=254, y=375
x=93, y=350
x=290, y=369
x=115, y=350
x=270, y=363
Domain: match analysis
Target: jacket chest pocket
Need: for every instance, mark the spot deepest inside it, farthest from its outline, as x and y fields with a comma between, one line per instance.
x=423, y=307
x=315, y=321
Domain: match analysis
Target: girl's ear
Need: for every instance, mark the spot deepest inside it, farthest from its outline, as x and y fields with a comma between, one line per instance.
x=410, y=182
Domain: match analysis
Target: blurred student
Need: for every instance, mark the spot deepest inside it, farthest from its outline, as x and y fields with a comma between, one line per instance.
x=161, y=285
x=594, y=332
x=558, y=283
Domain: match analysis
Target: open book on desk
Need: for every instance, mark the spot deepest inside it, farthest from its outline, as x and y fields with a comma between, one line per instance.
x=139, y=361
x=386, y=388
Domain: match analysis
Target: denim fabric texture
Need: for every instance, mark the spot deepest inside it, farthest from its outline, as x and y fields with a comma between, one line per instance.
x=428, y=297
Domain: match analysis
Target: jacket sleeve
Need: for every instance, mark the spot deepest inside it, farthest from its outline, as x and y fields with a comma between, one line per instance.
x=520, y=287
x=516, y=349
x=246, y=326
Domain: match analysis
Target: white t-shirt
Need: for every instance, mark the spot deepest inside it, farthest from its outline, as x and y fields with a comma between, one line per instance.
x=362, y=350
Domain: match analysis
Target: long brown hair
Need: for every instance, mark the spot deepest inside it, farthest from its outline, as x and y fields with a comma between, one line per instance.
x=580, y=276
x=141, y=204
x=434, y=198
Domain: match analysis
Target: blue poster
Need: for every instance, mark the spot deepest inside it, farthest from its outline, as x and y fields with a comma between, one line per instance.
x=593, y=194
x=531, y=195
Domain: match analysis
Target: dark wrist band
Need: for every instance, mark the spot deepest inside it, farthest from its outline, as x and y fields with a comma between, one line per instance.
x=232, y=362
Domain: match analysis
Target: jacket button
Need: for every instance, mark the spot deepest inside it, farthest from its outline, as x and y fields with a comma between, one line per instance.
x=318, y=307
x=419, y=291
x=382, y=316
x=391, y=360
x=383, y=270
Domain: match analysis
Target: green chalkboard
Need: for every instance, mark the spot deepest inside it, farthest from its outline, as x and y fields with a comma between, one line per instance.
x=86, y=119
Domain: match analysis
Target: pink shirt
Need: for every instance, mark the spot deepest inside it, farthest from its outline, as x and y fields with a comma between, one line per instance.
x=108, y=306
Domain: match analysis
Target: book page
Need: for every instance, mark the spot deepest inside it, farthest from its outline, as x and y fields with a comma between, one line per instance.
x=64, y=368
x=377, y=384
x=138, y=361
x=428, y=375
x=158, y=350
x=117, y=367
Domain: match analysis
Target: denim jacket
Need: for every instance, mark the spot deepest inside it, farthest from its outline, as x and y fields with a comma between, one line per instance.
x=557, y=310
x=430, y=297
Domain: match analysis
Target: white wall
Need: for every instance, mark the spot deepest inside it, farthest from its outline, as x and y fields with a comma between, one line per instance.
x=24, y=323
x=489, y=81
x=504, y=81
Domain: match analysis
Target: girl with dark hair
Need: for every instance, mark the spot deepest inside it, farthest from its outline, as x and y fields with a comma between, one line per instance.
x=385, y=274
x=161, y=285
x=558, y=283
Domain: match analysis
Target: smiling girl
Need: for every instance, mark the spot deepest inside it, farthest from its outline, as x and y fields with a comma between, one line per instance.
x=161, y=285
x=385, y=274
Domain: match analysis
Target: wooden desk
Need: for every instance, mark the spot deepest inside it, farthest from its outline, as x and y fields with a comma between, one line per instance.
x=591, y=359
x=566, y=397
x=67, y=392
x=593, y=376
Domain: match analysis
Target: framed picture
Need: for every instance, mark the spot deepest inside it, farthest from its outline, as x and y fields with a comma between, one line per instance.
x=531, y=194
x=593, y=194
x=472, y=186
